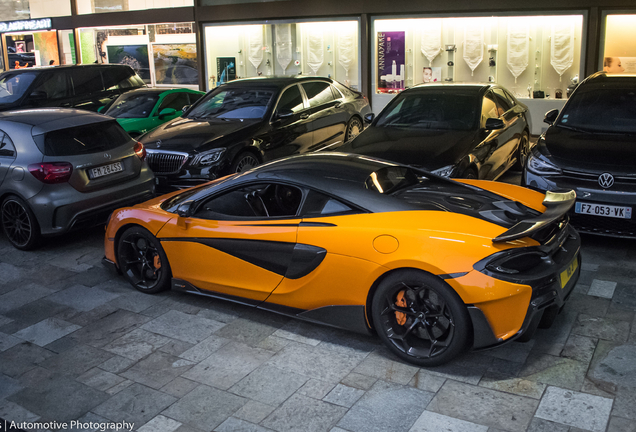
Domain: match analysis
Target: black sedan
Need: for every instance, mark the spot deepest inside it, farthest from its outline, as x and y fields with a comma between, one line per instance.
x=591, y=147
x=248, y=122
x=453, y=130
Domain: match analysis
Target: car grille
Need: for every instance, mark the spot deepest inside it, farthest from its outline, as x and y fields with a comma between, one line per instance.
x=165, y=162
x=613, y=227
x=579, y=175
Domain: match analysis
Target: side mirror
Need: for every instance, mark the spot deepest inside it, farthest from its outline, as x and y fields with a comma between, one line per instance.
x=38, y=96
x=283, y=115
x=166, y=112
x=494, y=124
x=185, y=108
x=185, y=209
x=101, y=109
x=369, y=118
x=551, y=116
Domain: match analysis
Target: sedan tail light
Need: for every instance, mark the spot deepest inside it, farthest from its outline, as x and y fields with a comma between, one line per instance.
x=140, y=150
x=51, y=172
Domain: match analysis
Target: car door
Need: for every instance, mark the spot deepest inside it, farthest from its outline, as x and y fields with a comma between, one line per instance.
x=175, y=101
x=328, y=118
x=7, y=155
x=491, y=151
x=513, y=128
x=238, y=242
x=290, y=131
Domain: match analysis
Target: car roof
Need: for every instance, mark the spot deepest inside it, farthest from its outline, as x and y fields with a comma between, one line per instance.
x=44, y=68
x=155, y=90
x=275, y=81
x=342, y=175
x=459, y=86
x=604, y=77
x=45, y=120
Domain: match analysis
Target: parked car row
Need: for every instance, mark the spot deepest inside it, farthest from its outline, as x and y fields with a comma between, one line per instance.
x=373, y=236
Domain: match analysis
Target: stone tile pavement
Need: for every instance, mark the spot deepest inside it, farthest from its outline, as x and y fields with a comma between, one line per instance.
x=78, y=343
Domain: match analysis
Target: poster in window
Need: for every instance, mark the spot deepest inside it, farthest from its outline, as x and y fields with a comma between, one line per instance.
x=391, y=54
x=135, y=56
x=225, y=69
x=176, y=64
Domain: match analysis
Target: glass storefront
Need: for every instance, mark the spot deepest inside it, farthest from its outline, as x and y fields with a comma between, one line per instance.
x=162, y=54
x=532, y=56
x=618, y=52
x=322, y=48
x=102, y=6
x=29, y=49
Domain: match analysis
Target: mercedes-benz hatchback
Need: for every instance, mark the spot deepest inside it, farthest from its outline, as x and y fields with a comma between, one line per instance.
x=62, y=169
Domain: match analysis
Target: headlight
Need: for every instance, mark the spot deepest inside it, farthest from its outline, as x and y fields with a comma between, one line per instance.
x=208, y=157
x=444, y=171
x=539, y=164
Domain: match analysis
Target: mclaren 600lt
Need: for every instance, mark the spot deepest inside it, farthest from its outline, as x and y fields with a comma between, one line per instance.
x=434, y=266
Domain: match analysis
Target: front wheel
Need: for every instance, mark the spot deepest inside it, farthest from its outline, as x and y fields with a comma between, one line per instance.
x=244, y=162
x=523, y=151
x=143, y=261
x=354, y=127
x=19, y=223
x=420, y=318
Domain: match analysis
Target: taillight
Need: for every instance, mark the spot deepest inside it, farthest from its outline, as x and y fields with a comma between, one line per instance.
x=140, y=150
x=51, y=172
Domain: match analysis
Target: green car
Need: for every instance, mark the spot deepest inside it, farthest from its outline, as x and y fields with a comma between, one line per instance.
x=139, y=111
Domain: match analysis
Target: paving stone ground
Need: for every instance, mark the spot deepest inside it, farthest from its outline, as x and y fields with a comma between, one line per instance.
x=78, y=343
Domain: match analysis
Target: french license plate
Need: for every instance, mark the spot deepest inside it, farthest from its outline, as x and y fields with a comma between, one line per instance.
x=106, y=169
x=604, y=210
x=567, y=274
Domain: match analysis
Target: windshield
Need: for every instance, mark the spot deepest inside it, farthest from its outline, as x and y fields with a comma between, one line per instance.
x=133, y=105
x=234, y=103
x=601, y=109
x=13, y=86
x=431, y=110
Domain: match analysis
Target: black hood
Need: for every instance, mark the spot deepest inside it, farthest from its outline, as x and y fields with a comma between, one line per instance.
x=185, y=134
x=595, y=152
x=426, y=148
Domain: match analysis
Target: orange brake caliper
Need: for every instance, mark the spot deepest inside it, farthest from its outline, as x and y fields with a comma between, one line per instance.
x=156, y=262
x=400, y=317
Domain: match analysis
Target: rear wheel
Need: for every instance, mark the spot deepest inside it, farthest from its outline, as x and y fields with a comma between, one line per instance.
x=354, y=127
x=19, y=223
x=470, y=173
x=244, y=161
x=143, y=261
x=420, y=318
x=523, y=151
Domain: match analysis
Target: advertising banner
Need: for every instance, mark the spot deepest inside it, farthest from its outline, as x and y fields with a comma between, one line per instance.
x=391, y=51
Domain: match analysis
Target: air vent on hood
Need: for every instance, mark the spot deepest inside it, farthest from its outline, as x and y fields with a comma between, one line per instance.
x=508, y=212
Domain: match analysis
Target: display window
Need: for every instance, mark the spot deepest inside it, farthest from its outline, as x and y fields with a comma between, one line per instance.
x=532, y=56
x=315, y=48
x=161, y=54
x=618, y=50
x=104, y=6
x=29, y=49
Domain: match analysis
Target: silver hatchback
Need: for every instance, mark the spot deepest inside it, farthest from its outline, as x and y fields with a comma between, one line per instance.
x=62, y=169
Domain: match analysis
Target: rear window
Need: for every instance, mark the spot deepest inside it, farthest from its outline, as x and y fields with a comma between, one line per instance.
x=13, y=86
x=390, y=179
x=92, y=138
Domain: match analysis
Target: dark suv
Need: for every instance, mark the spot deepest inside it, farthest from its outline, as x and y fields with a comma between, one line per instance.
x=86, y=87
x=590, y=147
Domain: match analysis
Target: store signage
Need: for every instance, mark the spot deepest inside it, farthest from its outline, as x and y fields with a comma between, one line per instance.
x=39, y=24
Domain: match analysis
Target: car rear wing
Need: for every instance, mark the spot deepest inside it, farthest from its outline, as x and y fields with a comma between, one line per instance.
x=557, y=203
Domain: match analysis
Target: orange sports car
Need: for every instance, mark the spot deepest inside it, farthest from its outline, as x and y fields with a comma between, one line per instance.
x=434, y=266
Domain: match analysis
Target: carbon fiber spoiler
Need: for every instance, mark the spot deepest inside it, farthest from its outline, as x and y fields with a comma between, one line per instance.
x=557, y=203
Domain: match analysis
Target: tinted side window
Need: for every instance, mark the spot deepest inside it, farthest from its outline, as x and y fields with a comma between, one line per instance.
x=488, y=108
x=92, y=138
x=511, y=98
x=291, y=100
x=502, y=100
x=194, y=97
x=319, y=204
x=86, y=81
x=318, y=93
x=54, y=84
x=175, y=100
x=116, y=78
x=7, y=149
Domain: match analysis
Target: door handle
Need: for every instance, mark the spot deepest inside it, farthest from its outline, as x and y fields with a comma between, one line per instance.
x=304, y=116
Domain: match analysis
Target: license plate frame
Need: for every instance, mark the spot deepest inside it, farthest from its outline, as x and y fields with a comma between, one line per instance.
x=603, y=210
x=569, y=271
x=105, y=170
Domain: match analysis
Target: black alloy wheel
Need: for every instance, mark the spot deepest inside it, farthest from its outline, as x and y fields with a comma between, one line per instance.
x=522, y=152
x=244, y=162
x=19, y=223
x=420, y=318
x=143, y=261
x=354, y=127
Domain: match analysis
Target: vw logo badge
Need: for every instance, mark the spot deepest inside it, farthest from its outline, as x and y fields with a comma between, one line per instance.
x=606, y=180
x=107, y=156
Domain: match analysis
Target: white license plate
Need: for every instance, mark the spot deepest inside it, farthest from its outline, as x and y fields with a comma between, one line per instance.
x=106, y=169
x=604, y=210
